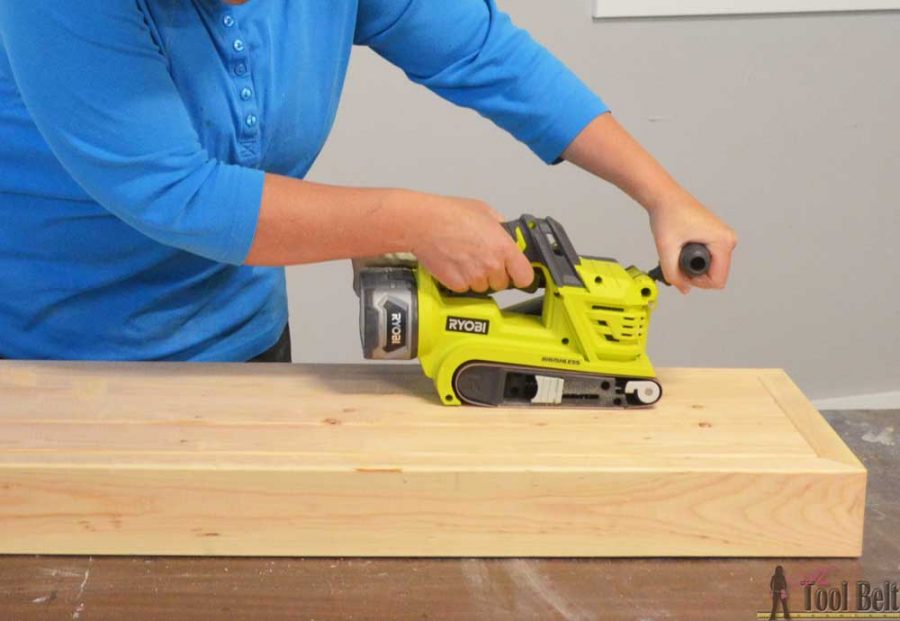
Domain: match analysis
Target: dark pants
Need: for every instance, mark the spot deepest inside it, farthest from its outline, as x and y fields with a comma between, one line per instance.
x=776, y=598
x=279, y=352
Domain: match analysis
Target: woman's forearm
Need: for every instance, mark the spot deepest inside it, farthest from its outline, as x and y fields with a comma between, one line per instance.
x=305, y=222
x=459, y=240
x=607, y=150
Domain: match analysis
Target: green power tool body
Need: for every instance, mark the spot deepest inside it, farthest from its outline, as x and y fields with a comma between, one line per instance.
x=581, y=343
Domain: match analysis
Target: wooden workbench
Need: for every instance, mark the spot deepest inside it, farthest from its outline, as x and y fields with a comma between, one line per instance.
x=292, y=460
x=39, y=588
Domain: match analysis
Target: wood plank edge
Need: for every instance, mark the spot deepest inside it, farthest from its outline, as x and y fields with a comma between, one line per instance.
x=818, y=466
x=808, y=421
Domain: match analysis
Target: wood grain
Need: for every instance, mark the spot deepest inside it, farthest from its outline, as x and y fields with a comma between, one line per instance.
x=117, y=588
x=285, y=460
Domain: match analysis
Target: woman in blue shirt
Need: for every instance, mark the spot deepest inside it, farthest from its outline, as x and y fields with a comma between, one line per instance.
x=152, y=156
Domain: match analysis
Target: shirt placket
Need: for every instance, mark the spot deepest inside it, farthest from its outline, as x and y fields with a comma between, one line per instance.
x=248, y=130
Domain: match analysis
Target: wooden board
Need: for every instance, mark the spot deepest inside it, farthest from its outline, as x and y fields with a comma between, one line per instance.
x=328, y=460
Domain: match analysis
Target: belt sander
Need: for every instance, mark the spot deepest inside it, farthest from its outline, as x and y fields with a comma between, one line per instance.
x=580, y=340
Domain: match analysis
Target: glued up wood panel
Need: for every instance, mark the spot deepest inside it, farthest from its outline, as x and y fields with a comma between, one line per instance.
x=331, y=460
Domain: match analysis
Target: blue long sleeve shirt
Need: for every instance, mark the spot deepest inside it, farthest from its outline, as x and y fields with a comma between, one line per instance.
x=134, y=136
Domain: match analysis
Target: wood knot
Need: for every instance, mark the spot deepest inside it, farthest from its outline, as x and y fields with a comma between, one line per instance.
x=704, y=424
x=331, y=421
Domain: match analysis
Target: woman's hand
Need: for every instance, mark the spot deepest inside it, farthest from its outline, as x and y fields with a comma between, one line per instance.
x=676, y=218
x=680, y=220
x=460, y=241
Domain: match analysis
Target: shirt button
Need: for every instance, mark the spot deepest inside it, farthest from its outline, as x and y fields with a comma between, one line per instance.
x=240, y=68
x=246, y=93
x=251, y=120
x=228, y=20
x=238, y=45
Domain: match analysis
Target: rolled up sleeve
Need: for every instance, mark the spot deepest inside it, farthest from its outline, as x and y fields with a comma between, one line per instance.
x=97, y=87
x=470, y=53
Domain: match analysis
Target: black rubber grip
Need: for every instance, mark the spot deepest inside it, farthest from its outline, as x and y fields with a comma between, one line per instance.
x=694, y=261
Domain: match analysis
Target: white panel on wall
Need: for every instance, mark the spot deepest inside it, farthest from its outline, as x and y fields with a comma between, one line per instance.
x=661, y=8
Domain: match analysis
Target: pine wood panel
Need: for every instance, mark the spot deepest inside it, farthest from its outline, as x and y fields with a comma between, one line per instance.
x=361, y=460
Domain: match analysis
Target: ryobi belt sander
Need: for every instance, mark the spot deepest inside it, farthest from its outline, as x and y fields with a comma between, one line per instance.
x=581, y=343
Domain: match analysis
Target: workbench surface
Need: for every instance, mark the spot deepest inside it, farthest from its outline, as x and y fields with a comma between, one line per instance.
x=112, y=588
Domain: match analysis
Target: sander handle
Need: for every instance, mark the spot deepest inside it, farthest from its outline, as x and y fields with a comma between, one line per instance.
x=694, y=261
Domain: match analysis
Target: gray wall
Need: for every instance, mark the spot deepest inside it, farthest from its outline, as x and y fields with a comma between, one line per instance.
x=787, y=126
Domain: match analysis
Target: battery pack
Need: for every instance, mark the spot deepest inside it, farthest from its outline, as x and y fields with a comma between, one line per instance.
x=388, y=321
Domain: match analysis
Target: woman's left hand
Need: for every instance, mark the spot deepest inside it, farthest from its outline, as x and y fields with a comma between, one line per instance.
x=676, y=218
x=680, y=220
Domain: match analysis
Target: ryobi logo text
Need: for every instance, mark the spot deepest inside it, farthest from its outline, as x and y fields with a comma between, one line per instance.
x=396, y=329
x=469, y=326
x=397, y=319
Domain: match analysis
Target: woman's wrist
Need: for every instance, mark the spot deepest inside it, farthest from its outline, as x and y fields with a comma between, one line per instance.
x=665, y=197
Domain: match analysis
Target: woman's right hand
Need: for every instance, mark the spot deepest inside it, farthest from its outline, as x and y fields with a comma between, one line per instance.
x=460, y=241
